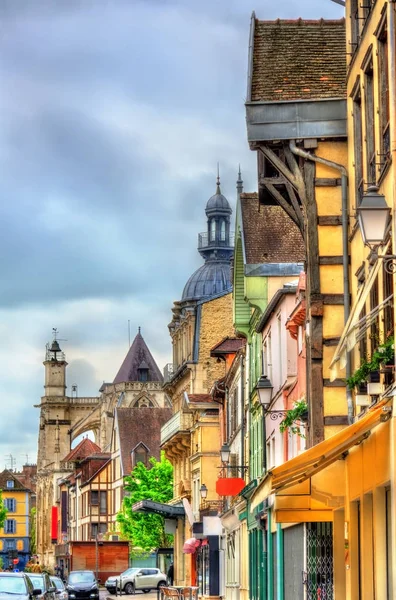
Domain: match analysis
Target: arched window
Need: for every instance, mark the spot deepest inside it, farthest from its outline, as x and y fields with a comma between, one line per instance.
x=222, y=231
x=212, y=230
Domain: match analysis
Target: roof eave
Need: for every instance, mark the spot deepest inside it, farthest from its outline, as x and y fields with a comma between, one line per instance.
x=296, y=119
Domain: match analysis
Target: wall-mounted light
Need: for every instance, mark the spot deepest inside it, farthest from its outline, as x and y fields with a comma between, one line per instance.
x=203, y=490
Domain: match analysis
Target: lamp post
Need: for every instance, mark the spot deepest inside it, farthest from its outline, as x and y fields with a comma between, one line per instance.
x=225, y=454
x=203, y=490
x=374, y=216
x=264, y=389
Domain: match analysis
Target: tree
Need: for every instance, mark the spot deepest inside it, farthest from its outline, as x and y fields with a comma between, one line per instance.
x=3, y=511
x=145, y=530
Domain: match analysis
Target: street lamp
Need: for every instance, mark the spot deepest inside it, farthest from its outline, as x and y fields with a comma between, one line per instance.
x=373, y=217
x=264, y=389
x=203, y=490
x=225, y=453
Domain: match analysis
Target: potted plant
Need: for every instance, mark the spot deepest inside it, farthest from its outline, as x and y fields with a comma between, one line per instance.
x=295, y=417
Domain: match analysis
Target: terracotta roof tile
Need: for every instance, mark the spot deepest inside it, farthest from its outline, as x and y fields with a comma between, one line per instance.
x=270, y=235
x=7, y=475
x=200, y=398
x=228, y=346
x=85, y=448
x=294, y=60
x=140, y=424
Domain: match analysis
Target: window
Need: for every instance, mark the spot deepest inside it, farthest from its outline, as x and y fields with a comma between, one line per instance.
x=223, y=231
x=212, y=230
x=369, y=122
x=234, y=411
x=10, y=526
x=143, y=374
x=354, y=24
x=358, y=141
x=103, y=502
x=10, y=504
x=94, y=530
x=383, y=94
x=94, y=497
x=10, y=483
x=139, y=454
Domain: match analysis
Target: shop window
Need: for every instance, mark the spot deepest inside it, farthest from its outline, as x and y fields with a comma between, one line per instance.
x=383, y=94
x=358, y=142
x=370, y=122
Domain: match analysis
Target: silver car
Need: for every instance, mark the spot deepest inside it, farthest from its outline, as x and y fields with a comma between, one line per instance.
x=133, y=579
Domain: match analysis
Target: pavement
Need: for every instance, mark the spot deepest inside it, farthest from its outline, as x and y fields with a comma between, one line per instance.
x=104, y=595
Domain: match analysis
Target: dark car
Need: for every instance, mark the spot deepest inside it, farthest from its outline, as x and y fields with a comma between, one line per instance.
x=16, y=586
x=42, y=582
x=82, y=584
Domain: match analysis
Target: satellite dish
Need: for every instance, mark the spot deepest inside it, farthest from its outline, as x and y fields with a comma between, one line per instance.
x=189, y=512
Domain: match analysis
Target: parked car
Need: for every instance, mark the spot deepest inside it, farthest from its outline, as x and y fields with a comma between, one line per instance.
x=82, y=584
x=42, y=582
x=17, y=585
x=136, y=579
x=61, y=592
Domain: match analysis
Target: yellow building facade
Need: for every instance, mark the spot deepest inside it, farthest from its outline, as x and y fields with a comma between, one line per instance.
x=15, y=535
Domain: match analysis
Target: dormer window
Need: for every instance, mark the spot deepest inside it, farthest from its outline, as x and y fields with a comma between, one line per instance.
x=140, y=453
x=10, y=483
x=143, y=371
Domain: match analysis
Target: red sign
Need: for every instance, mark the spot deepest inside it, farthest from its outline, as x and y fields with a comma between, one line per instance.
x=15, y=561
x=229, y=486
x=54, y=524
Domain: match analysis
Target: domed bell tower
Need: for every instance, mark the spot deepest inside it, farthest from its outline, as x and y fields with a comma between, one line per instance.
x=218, y=211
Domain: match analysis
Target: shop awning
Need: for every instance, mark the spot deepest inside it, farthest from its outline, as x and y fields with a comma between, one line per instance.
x=166, y=510
x=354, y=326
x=315, y=459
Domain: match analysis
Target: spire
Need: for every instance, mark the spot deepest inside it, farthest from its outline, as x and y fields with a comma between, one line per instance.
x=218, y=180
x=138, y=355
x=239, y=183
x=139, y=330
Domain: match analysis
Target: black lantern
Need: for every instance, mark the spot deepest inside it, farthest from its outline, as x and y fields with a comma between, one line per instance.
x=373, y=217
x=264, y=389
x=225, y=453
x=203, y=490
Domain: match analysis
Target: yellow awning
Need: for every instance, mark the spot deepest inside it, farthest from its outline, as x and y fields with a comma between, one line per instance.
x=351, y=330
x=317, y=458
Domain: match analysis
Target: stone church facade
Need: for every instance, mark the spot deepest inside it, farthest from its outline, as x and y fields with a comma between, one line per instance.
x=138, y=384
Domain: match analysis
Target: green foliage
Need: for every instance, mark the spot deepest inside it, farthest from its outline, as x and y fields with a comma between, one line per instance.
x=145, y=531
x=33, y=531
x=294, y=417
x=383, y=354
x=3, y=511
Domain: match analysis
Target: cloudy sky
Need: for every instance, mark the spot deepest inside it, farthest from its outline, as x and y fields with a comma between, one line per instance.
x=113, y=115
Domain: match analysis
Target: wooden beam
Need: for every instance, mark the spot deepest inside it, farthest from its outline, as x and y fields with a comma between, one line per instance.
x=280, y=165
x=336, y=299
x=336, y=420
x=331, y=341
x=289, y=210
x=330, y=260
x=327, y=182
x=330, y=220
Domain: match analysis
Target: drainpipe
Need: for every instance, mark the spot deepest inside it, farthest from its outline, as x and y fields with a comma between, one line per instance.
x=243, y=415
x=345, y=254
x=280, y=586
x=270, y=557
x=392, y=119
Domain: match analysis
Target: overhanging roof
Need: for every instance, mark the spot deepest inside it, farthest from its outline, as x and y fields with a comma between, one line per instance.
x=299, y=469
x=165, y=510
x=298, y=119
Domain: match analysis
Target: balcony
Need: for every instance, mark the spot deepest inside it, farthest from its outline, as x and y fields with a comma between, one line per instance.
x=203, y=241
x=211, y=508
x=177, y=425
